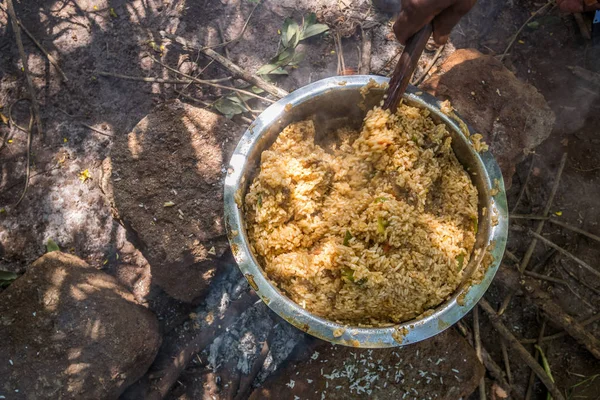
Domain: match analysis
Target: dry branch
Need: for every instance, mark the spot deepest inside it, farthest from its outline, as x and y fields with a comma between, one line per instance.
x=538, y=229
x=513, y=281
x=518, y=347
x=236, y=70
x=49, y=56
x=585, y=322
x=566, y=253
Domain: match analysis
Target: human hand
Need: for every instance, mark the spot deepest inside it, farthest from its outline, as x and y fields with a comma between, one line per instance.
x=444, y=14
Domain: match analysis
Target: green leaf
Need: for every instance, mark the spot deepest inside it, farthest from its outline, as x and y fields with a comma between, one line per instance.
x=313, y=30
x=533, y=25
x=380, y=200
x=51, y=246
x=228, y=107
x=296, y=59
x=7, y=276
x=461, y=260
x=256, y=90
x=259, y=200
x=348, y=274
x=347, y=238
x=381, y=225
x=309, y=20
x=475, y=224
x=290, y=33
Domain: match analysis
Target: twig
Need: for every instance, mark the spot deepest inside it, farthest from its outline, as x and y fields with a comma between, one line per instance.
x=492, y=367
x=533, y=15
x=236, y=70
x=49, y=56
x=187, y=96
x=34, y=104
x=365, y=50
x=222, y=34
x=555, y=221
x=536, y=355
x=10, y=118
x=585, y=74
x=513, y=281
x=584, y=301
x=538, y=229
x=506, y=360
x=565, y=253
x=524, y=186
x=430, y=64
x=28, y=170
x=200, y=81
x=95, y=129
x=477, y=338
x=518, y=347
x=388, y=62
x=578, y=279
x=235, y=39
x=585, y=322
x=545, y=277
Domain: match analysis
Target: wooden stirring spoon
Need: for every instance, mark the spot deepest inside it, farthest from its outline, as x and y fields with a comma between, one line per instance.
x=405, y=67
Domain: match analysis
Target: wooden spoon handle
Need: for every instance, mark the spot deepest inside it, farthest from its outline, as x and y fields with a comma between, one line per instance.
x=406, y=66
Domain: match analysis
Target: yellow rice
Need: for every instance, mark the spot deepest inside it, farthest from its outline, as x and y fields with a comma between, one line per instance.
x=374, y=230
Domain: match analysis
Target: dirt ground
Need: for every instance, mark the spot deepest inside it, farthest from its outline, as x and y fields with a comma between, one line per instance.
x=89, y=36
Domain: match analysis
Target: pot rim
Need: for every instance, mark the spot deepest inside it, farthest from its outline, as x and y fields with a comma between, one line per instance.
x=444, y=315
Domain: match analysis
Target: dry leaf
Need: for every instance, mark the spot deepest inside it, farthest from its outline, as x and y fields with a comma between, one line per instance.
x=84, y=175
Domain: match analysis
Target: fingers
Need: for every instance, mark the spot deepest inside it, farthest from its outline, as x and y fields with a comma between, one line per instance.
x=447, y=19
x=415, y=14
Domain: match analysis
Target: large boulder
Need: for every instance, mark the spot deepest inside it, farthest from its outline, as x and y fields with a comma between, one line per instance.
x=512, y=115
x=443, y=367
x=167, y=179
x=69, y=331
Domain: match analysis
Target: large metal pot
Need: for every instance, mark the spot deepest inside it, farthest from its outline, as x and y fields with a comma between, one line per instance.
x=335, y=102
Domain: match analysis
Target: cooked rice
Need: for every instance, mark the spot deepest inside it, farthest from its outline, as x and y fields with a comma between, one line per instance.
x=373, y=231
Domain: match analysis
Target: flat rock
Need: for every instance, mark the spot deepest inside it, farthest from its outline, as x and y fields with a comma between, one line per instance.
x=167, y=177
x=443, y=367
x=69, y=331
x=513, y=116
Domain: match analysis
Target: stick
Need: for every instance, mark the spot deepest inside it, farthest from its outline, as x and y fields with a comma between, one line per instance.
x=95, y=129
x=194, y=79
x=187, y=96
x=555, y=221
x=566, y=253
x=42, y=49
x=506, y=360
x=30, y=88
x=584, y=301
x=28, y=170
x=159, y=80
x=430, y=65
x=538, y=229
x=365, y=50
x=533, y=15
x=518, y=347
x=171, y=373
x=388, y=62
x=236, y=70
x=522, y=191
x=585, y=322
x=235, y=39
x=222, y=34
x=577, y=279
x=493, y=368
x=545, y=277
x=477, y=338
x=512, y=280
x=537, y=357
